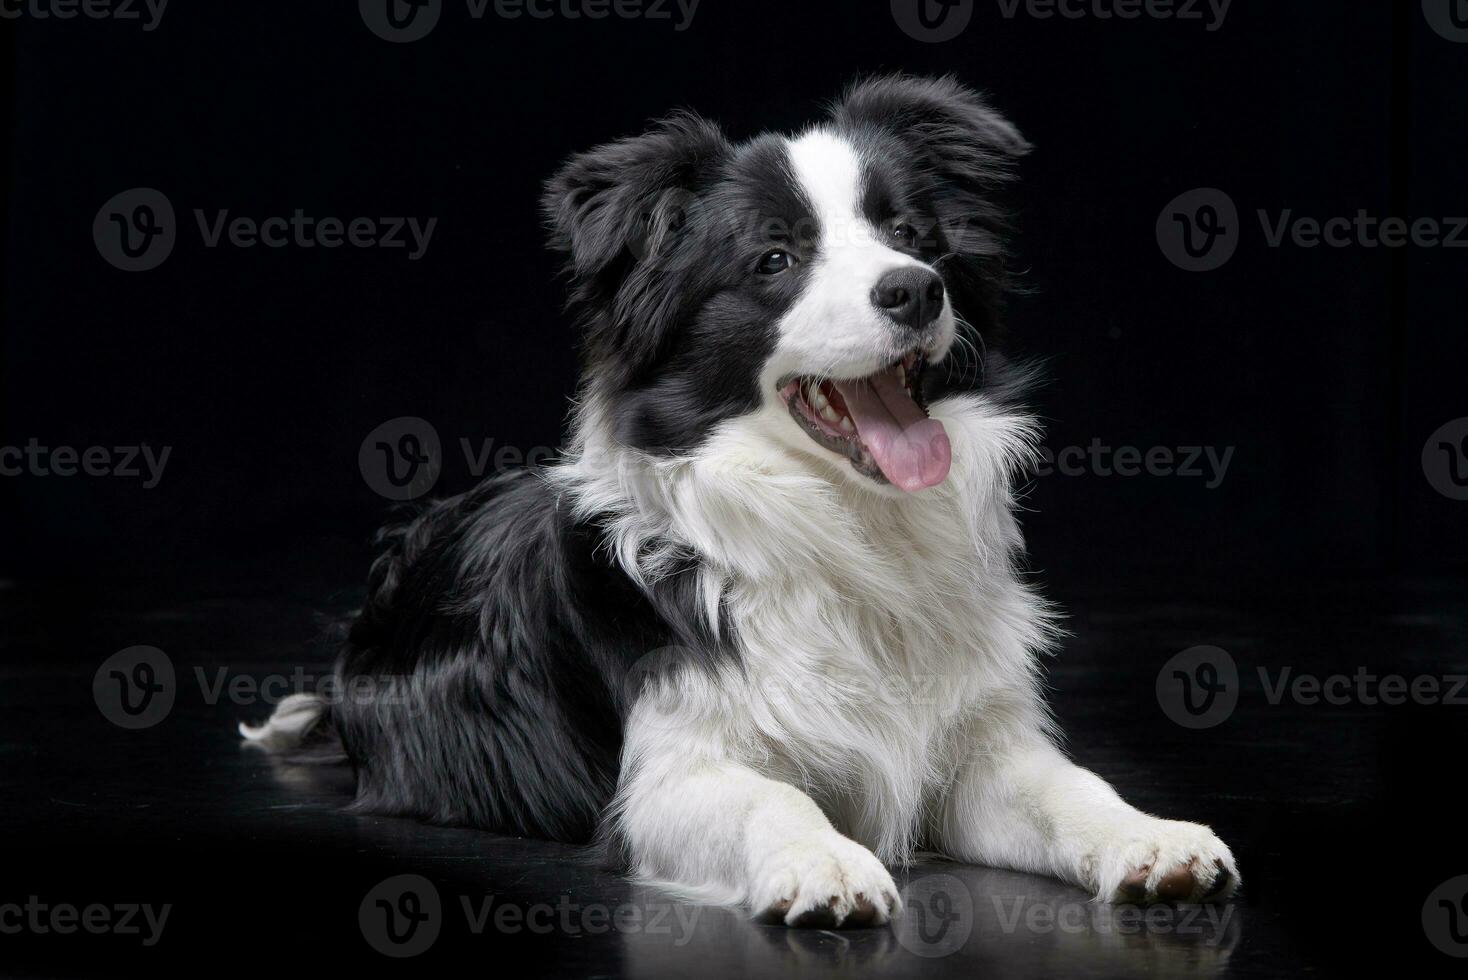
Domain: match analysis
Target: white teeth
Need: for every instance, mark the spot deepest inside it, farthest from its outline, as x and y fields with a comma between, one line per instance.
x=819, y=400
x=846, y=425
x=829, y=414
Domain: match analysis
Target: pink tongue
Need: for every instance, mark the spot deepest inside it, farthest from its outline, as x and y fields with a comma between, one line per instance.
x=911, y=449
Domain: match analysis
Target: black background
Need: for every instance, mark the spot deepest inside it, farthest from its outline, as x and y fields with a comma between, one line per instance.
x=264, y=369
x=1327, y=369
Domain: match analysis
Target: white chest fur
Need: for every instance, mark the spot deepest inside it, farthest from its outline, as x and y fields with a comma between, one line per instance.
x=870, y=626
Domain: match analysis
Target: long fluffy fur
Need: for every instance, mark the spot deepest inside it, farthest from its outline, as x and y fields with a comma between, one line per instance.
x=701, y=637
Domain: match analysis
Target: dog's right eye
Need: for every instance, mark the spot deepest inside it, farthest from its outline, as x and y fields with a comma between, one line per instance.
x=775, y=262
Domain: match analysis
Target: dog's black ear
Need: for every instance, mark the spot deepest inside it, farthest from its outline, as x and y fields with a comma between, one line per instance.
x=946, y=124
x=620, y=200
x=619, y=213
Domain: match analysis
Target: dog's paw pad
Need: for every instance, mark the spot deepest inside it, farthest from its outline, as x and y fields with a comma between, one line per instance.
x=774, y=913
x=863, y=913
x=1182, y=863
x=820, y=917
x=831, y=884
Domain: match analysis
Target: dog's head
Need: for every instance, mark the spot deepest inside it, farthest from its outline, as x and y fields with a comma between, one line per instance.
x=821, y=276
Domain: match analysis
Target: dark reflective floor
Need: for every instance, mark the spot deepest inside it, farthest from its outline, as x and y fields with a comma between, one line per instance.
x=1344, y=816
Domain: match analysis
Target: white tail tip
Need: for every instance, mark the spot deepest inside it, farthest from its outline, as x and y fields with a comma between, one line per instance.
x=288, y=725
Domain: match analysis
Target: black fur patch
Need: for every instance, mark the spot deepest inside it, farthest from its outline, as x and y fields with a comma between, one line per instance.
x=486, y=678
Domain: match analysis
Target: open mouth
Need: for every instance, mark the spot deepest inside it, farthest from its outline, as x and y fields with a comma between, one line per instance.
x=879, y=422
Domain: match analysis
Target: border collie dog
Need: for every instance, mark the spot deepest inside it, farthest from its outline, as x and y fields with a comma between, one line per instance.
x=764, y=630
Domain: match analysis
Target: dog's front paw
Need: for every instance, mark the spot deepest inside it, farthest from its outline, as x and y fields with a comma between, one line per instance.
x=828, y=882
x=1162, y=861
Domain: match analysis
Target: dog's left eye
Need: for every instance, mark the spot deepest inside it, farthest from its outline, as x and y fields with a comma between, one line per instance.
x=904, y=232
x=775, y=262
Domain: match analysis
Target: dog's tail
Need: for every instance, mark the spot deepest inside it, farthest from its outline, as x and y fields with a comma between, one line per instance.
x=299, y=729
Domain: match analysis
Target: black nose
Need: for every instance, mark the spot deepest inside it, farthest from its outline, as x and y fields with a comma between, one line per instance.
x=912, y=296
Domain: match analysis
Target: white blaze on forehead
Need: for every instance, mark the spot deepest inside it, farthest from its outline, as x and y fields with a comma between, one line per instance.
x=829, y=171
x=834, y=328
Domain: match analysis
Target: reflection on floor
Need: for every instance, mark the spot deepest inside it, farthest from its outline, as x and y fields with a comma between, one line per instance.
x=258, y=864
